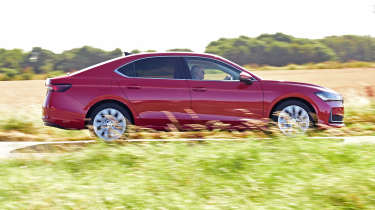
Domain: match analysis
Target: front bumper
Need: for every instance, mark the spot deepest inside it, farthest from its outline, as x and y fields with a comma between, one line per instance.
x=331, y=113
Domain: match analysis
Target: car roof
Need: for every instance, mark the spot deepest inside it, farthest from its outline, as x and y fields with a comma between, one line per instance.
x=132, y=57
x=192, y=54
x=151, y=54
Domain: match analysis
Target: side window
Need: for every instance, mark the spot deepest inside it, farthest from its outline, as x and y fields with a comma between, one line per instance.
x=156, y=67
x=207, y=69
x=127, y=70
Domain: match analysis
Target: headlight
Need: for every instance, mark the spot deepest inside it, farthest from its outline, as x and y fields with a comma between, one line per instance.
x=328, y=96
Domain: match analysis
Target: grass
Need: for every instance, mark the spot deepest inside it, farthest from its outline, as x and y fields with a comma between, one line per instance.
x=27, y=126
x=20, y=111
x=359, y=120
x=277, y=173
x=14, y=124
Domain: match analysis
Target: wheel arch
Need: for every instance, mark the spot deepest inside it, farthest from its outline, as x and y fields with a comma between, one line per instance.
x=98, y=103
x=275, y=104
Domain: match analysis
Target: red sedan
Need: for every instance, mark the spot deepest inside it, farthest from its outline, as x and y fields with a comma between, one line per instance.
x=147, y=89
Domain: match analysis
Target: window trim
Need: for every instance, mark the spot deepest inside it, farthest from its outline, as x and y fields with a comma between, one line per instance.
x=144, y=58
x=186, y=67
x=214, y=61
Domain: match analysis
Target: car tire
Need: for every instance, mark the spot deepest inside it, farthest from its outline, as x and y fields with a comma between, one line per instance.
x=109, y=121
x=293, y=117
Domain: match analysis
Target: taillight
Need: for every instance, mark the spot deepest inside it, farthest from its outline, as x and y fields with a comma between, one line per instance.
x=58, y=87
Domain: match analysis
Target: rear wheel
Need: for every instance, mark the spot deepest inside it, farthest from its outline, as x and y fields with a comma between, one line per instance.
x=109, y=121
x=293, y=117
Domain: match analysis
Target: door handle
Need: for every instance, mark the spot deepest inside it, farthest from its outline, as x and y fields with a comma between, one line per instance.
x=134, y=87
x=199, y=89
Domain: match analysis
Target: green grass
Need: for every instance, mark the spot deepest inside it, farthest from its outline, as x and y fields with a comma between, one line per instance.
x=261, y=174
x=26, y=125
x=18, y=125
x=359, y=120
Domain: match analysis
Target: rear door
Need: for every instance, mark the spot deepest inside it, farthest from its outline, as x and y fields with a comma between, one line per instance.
x=217, y=93
x=158, y=90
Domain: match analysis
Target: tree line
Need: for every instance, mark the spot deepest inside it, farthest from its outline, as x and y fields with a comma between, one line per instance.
x=267, y=49
x=280, y=49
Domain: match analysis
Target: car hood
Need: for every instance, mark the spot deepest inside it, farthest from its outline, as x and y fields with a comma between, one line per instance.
x=297, y=84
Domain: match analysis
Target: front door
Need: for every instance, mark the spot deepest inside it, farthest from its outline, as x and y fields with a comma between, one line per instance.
x=217, y=93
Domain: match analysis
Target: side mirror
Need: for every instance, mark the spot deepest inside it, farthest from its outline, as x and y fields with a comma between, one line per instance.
x=246, y=78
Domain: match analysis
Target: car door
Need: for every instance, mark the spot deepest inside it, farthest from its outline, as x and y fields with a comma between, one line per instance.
x=217, y=93
x=157, y=90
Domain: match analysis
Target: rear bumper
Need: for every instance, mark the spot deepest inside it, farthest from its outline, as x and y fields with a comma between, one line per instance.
x=46, y=123
x=63, y=119
x=61, y=111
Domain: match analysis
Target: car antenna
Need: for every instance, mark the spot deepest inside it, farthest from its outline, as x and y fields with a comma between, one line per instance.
x=127, y=53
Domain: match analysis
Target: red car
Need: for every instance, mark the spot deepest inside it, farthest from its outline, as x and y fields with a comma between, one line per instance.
x=153, y=89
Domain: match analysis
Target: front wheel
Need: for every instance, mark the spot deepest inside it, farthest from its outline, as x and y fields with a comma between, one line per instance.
x=109, y=121
x=293, y=117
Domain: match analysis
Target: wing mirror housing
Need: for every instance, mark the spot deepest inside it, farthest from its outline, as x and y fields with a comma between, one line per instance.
x=246, y=78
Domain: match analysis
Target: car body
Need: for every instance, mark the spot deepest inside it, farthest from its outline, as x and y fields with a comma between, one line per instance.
x=156, y=89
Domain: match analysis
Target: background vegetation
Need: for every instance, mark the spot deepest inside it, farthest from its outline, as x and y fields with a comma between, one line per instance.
x=281, y=49
x=39, y=63
x=265, y=50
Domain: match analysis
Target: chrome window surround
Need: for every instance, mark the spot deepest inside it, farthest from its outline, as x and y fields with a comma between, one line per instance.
x=180, y=56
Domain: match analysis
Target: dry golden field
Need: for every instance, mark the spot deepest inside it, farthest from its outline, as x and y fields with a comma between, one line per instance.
x=344, y=81
x=22, y=94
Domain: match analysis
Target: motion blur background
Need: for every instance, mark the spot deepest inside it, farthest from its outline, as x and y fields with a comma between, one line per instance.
x=329, y=43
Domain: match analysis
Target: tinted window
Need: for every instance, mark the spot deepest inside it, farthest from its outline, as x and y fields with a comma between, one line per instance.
x=157, y=67
x=208, y=69
x=127, y=70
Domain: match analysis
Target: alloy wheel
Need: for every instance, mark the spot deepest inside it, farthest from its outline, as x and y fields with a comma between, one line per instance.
x=293, y=119
x=109, y=124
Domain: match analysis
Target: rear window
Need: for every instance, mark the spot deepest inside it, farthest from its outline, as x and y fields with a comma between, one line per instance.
x=157, y=67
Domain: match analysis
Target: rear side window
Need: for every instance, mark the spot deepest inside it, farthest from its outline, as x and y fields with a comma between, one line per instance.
x=157, y=67
x=127, y=70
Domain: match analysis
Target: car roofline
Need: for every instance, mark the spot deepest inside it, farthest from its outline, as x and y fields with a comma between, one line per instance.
x=191, y=54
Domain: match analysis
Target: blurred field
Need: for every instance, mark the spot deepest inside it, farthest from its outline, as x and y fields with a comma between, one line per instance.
x=22, y=94
x=345, y=81
x=279, y=173
x=21, y=112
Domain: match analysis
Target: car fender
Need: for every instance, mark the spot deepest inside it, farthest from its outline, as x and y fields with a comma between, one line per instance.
x=110, y=97
x=292, y=95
